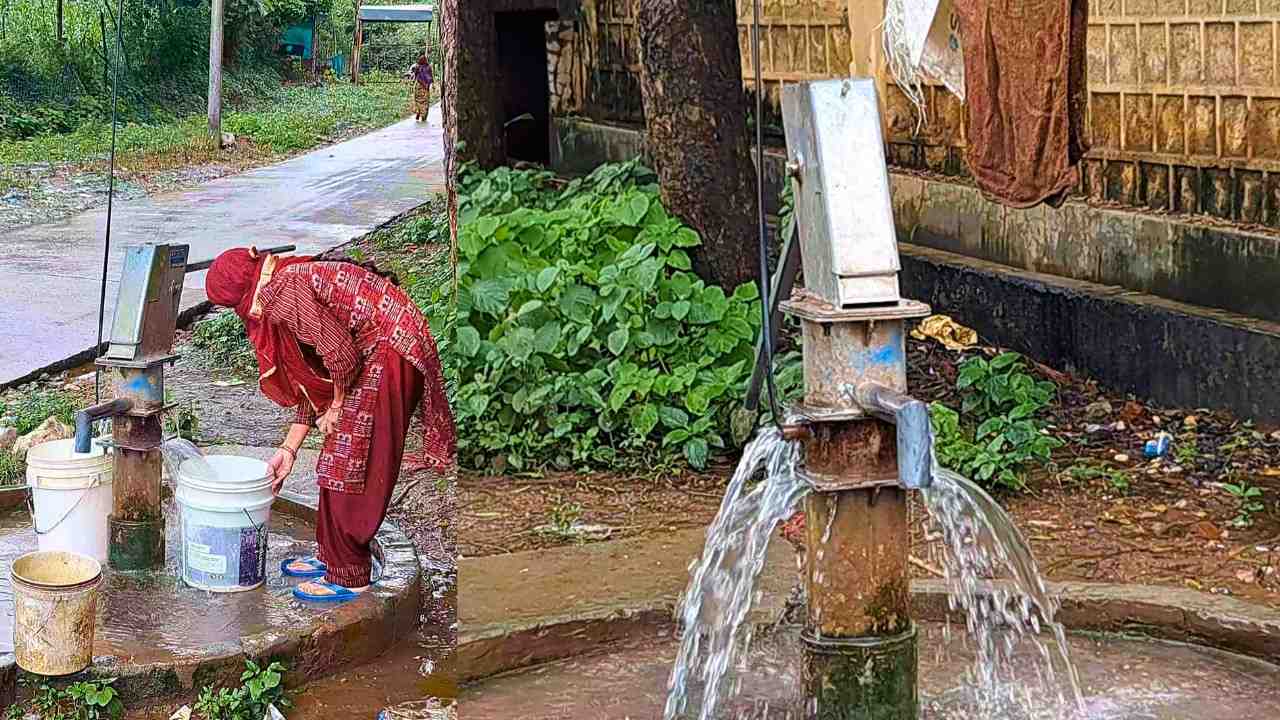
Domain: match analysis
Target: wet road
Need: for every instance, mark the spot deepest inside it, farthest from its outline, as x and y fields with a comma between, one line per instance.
x=50, y=274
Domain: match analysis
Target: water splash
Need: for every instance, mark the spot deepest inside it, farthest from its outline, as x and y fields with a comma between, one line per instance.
x=178, y=452
x=715, y=606
x=993, y=579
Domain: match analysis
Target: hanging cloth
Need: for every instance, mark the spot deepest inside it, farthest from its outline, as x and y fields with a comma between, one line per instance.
x=1025, y=91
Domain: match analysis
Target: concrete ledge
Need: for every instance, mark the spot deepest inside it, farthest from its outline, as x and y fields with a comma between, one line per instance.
x=345, y=635
x=1169, y=352
x=1161, y=613
x=1215, y=266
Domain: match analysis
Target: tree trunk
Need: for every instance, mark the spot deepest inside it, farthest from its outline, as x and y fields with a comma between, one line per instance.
x=477, y=116
x=696, y=129
x=449, y=38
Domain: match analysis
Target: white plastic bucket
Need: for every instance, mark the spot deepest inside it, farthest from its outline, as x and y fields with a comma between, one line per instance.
x=224, y=521
x=55, y=603
x=71, y=498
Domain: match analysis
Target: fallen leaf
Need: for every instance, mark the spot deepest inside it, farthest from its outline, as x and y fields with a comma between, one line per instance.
x=1130, y=411
x=1207, y=530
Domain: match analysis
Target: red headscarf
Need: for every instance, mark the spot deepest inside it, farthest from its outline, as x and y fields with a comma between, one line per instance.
x=284, y=375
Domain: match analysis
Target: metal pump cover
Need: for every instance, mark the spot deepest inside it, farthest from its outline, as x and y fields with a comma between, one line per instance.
x=146, y=312
x=835, y=146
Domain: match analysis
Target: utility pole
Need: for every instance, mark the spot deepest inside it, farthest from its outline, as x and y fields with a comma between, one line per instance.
x=215, y=70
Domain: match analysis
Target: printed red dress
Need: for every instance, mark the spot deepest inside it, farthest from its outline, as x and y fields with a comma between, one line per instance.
x=370, y=338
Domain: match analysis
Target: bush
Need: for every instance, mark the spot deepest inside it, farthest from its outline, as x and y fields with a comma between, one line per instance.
x=997, y=433
x=222, y=344
x=78, y=701
x=583, y=338
x=33, y=409
x=259, y=688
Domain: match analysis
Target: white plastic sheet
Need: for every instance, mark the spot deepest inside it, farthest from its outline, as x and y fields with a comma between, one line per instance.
x=922, y=40
x=941, y=56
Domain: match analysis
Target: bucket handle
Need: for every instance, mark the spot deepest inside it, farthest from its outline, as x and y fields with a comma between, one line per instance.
x=97, y=481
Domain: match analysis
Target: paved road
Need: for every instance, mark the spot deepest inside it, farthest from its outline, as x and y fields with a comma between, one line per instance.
x=50, y=274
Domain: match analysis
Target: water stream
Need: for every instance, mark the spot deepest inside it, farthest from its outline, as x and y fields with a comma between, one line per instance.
x=991, y=576
x=178, y=451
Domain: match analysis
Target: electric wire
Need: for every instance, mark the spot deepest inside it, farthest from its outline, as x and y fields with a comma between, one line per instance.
x=766, y=306
x=111, y=192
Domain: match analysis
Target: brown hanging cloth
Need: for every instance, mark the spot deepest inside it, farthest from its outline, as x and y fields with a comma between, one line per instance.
x=1024, y=70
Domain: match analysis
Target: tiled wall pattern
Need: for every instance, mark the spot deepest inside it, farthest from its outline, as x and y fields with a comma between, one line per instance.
x=800, y=40
x=1184, y=95
x=1184, y=110
x=1184, y=106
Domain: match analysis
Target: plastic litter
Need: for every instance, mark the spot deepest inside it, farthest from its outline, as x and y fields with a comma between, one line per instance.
x=950, y=333
x=1158, y=446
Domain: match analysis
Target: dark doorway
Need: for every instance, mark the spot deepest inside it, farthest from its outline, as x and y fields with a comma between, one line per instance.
x=522, y=61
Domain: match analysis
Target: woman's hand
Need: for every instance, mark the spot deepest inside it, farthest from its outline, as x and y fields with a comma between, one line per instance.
x=281, y=465
x=328, y=422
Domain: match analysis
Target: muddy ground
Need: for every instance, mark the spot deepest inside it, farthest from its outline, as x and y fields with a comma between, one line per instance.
x=1173, y=524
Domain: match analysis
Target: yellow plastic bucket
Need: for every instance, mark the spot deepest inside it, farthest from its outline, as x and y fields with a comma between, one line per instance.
x=55, y=603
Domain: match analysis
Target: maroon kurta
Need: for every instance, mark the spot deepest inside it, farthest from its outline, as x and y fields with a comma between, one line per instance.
x=352, y=318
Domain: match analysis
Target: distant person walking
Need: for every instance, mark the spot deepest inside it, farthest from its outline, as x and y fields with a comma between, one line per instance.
x=422, y=79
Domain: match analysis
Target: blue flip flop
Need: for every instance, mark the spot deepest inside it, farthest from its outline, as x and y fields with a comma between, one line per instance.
x=317, y=568
x=340, y=594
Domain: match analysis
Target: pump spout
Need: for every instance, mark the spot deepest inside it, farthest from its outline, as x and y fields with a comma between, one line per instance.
x=915, y=434
x=86, y=417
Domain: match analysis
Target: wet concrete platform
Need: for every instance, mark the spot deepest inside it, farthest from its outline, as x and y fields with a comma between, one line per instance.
x=51, y=276
x=161, y=638
x=1121, y=679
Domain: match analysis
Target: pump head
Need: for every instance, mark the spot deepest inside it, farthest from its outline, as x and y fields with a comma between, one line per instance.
x=835, y=148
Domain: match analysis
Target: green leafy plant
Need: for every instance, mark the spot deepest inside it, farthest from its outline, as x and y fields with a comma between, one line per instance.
x=1187, y=450
x=87, y=700
x=996, y=434
x=562, y=517
x=995, y=453
x=12, y=470
x=221, y=343
x=260, y=687
x=1002, y=386
x=33, y=409
x=583, y=338
x=1248, y=501
x=1117, y=478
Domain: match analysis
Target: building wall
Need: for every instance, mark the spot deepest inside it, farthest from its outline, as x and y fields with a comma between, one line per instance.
x=1184, y=95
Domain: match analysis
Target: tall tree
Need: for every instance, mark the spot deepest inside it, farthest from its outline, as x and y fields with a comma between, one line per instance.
x=476, y=121
x=448, y=101
x=696, y=129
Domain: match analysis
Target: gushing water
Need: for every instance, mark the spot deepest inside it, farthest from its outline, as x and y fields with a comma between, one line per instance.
x=715, y=606
x=178, y=451
x=993, y=579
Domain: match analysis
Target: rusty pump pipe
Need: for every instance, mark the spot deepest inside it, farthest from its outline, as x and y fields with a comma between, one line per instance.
x=140, y=346
x=865, y=441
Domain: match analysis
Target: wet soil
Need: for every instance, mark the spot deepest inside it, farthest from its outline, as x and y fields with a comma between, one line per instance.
x=1175, y=523
x=1121, y=678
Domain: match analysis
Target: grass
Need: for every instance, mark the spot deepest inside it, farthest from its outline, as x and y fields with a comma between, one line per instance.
x=30, y=410
x=289, y=120
x=220, y=343
x=27, y=413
